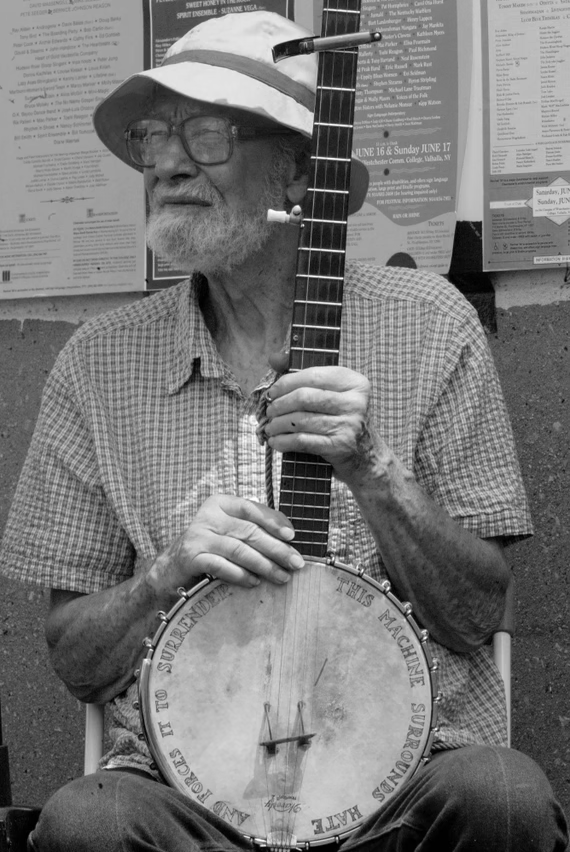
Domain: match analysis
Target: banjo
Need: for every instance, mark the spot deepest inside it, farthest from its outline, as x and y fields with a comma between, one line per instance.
x=294, y=712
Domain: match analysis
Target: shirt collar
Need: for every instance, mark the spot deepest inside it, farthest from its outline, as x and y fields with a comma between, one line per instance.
x=192, y=344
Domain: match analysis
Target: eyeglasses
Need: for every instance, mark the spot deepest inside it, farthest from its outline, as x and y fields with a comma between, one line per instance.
x=208, y=140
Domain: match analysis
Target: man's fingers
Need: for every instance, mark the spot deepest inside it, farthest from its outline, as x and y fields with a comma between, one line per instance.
x=338, y=379
x=318, y=400
x=273, y=522
x=243, y=569
x=232, y=538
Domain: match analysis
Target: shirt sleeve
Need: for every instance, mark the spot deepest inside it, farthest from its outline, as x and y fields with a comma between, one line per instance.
x=62, y=531
x=465, y=457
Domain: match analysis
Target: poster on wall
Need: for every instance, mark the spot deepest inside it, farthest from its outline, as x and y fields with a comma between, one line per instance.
x=526, y=99
x=406, y=133
x=68, y=224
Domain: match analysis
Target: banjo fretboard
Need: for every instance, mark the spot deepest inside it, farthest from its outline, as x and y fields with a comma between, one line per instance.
x=315, y=335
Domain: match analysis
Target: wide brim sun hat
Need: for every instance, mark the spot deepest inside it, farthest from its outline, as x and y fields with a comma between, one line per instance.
x=226, y=62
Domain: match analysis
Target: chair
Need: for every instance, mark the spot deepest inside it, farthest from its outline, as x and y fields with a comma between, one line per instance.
x=501, y=642
x=94, y=735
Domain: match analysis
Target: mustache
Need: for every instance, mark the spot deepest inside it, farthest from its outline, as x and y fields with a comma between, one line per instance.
x=184, y=194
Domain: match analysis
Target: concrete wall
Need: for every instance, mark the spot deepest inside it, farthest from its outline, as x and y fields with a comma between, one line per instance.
x=43, y=724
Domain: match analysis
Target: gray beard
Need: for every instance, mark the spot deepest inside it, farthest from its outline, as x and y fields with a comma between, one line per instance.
x=216, y=239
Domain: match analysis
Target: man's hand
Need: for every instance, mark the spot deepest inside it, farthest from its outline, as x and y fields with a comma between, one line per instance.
x=232, y=539
x=322, y=410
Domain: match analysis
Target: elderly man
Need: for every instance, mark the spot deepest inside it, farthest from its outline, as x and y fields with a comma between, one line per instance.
x=144, y=473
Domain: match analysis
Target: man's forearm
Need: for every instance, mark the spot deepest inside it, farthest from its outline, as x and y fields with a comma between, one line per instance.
x=455, y=581
x=96, y=640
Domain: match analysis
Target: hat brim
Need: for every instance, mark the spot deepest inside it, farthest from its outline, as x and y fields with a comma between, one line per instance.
x=217, y=86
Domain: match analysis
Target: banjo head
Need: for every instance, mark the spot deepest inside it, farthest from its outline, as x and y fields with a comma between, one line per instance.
x=292, y=712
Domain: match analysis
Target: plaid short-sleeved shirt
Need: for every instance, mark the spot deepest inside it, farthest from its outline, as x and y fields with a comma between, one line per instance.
x=141, y=421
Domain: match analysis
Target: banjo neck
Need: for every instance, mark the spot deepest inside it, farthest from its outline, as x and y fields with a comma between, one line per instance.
x=315, y=333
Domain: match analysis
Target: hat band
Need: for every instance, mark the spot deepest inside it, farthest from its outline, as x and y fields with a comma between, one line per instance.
x=251, y=68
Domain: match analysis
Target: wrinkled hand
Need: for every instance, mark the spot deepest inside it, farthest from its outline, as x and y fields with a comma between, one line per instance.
x=232, y=539
x=322, y=410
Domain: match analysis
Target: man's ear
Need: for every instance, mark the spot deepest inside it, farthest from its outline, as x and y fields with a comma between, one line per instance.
x=297, y=188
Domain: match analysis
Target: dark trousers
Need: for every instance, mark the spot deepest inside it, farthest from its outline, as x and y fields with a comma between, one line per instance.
x=480, y=799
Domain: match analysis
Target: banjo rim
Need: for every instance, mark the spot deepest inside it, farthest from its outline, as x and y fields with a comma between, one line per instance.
x=143, y=675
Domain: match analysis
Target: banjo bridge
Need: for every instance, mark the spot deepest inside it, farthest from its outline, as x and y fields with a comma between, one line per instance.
x=303, y=739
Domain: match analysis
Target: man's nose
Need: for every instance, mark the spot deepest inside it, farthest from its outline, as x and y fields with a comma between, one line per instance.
x=173, y=159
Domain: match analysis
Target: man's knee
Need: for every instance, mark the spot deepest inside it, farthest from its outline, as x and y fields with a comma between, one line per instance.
x=494, y=776
x=82, y=816
x=118, y=810
x=501, y=791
